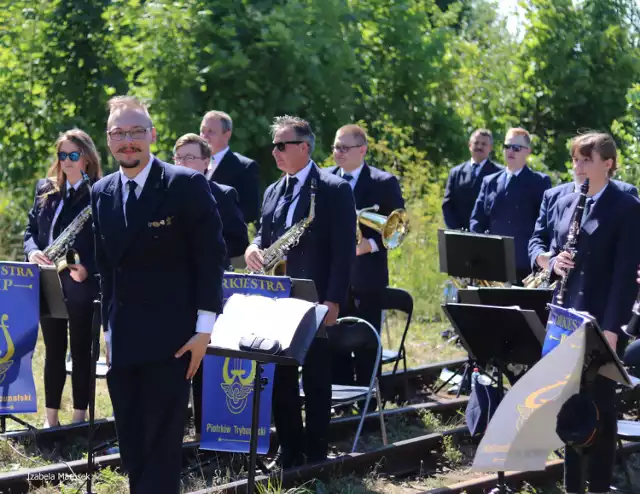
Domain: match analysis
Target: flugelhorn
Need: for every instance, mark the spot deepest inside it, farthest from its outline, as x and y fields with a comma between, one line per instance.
x=393, y=228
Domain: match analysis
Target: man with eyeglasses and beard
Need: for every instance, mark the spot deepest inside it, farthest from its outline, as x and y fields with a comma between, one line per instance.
x=324, y=254
x=509, y=201
x=160, y=256
x=464, y=181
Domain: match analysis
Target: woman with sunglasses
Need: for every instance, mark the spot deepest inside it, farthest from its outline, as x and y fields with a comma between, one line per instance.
x=59, y=199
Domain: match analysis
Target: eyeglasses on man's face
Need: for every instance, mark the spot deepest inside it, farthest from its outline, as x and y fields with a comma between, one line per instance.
x=282, y=145
x=339, y=148
x=135, y=134
x=186, y=159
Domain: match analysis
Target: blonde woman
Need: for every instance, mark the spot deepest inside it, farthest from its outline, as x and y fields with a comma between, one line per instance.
x=59, y=199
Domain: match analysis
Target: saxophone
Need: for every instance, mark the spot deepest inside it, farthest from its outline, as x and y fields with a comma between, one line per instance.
x=274, y=263
x=572, y=237
x=60, y=251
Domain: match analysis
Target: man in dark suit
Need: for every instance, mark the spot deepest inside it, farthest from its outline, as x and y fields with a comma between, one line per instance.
x=509, y=201
x=369, y=272
x=160, y=255
x=543, y=231
x=230, y=168
x=602, y=282
x=324, y=254
x=463, y=184
x=194, y=152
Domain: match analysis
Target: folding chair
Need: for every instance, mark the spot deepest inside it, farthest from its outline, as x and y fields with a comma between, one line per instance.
x=400, y=300
x=349, y=334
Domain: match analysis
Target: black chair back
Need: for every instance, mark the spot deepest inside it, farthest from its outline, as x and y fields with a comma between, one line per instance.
x=347, y=336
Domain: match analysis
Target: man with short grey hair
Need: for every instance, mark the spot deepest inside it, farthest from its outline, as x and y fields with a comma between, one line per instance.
x=229, y=168
x=324, y=254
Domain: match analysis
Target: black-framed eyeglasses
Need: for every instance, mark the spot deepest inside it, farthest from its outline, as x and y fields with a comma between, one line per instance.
x=135, y=134
x=515, y=147
x=73, y=155
x=343, y=149
x=186, y=159
x=282, y=145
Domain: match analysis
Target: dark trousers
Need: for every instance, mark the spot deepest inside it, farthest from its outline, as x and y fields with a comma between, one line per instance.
x=295, y=439
x=595, y=463
x=357, y=369
x=54, y=332
x=148, y=404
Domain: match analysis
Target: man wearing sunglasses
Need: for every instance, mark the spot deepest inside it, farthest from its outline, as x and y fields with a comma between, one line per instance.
x=369, y=273
x=229, y=168
x=324, y=254
x=464, y=181
x=160, y=255
x=509, y=201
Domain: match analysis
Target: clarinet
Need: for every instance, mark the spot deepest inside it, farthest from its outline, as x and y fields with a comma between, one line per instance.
x=572, y=238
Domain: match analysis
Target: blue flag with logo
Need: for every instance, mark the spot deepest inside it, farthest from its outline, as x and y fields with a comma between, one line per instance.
x=561, y=324
x=227, y=389
x=19, y=318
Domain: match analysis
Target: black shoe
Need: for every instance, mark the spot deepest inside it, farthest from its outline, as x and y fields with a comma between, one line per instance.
x=285, y=461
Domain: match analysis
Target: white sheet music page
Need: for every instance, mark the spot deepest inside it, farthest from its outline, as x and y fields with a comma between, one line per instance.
x=273, y=318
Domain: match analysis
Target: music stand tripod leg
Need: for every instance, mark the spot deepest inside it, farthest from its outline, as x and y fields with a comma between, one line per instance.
x=95, y=353
x=258, y=384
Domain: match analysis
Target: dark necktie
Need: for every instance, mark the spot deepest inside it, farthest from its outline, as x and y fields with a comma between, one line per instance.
x=64, y=218
x=282, y=210
x=587, y=209
x=475, y=169
x=347, y=177
x=132, y=201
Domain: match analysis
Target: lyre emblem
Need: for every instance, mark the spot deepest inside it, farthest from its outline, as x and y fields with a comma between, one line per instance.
x=237, y=383
x=5, y=359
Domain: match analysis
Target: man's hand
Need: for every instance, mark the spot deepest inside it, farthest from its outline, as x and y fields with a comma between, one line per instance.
x=564, y=262
x=332, y=315
x=253, y=258
x=78, y=272
x=197, y=345
x=612, y=338
x=38, y=257
x=543, y=260
x=364, y=247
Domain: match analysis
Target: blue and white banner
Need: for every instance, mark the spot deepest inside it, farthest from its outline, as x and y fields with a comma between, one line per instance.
x=227, y=389
x=561, y=324
x=19, y=318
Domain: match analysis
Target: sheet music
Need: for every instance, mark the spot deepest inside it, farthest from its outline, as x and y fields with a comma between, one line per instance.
x=273, y=318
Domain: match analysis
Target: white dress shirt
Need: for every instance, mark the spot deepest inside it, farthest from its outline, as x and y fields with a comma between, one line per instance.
x=216, y=159
x=356, y=174
x=59, y=208
x=206, y=319
x=302, y=178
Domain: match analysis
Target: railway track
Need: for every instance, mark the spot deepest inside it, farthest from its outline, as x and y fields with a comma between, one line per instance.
x=391, y=386
x=21, y=481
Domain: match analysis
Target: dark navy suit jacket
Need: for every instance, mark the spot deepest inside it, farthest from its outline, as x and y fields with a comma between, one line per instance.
x=36, y=237
x=161, y=269
x=243, y=174
x=234, y=229
x=510, y=210
x=370, y=271
x=328, y=248
x=603, y=281
x=543, y=231
x=462, y=191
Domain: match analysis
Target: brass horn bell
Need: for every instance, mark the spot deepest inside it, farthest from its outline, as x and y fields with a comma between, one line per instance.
x=393, y=228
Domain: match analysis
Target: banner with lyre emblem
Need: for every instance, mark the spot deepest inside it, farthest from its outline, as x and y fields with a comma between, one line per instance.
x=227, y=390
x=522, y=432
x=19, y=318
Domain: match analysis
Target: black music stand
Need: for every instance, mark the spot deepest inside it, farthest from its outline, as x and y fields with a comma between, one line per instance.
x=498, y=336
x=475, y=256
x=295, y=355
x=535, y=299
